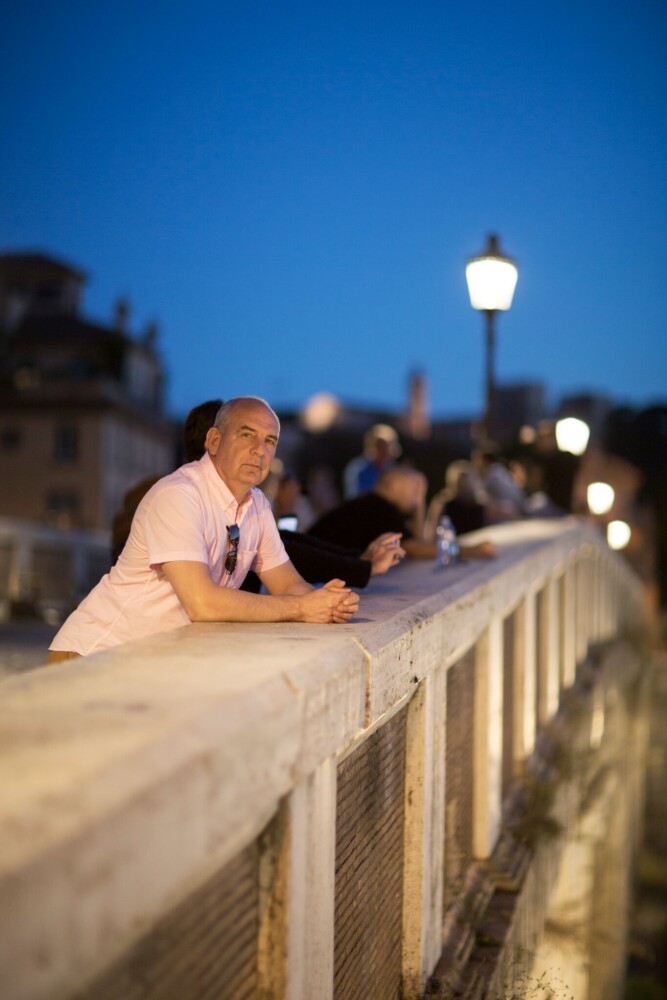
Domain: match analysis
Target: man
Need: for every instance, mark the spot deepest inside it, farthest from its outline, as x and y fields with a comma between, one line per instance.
x=315, y=560
x=505, y=498
x=194, y=537
x=197, y=424
x=396, y=504
x=381, y=449
x=462, y=500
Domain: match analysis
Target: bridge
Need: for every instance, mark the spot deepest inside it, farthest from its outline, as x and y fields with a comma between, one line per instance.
x=442, y=798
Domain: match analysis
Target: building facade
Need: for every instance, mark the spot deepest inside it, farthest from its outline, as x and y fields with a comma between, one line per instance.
x=81, y=403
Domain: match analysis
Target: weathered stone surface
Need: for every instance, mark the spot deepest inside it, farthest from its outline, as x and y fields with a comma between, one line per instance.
x=131, y=777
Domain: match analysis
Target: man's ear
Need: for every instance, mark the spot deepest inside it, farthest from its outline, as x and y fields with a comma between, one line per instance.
x=212, y=440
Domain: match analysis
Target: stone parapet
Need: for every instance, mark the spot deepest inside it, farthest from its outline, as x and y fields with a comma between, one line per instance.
x=312, y=778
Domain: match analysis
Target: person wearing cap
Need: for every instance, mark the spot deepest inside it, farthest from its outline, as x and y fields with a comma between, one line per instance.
x=381, y=449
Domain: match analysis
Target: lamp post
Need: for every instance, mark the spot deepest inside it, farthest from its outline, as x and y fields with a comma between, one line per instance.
x=491, y=281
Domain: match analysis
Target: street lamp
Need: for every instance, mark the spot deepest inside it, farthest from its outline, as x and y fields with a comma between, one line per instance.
x=491, y=281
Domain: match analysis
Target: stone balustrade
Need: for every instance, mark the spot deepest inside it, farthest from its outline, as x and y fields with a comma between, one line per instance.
x=46, y=569
x=302, y=811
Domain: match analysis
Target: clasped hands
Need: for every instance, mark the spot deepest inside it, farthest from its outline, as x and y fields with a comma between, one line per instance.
x=332, y=604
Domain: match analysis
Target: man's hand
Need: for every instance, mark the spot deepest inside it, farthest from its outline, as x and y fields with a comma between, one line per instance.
x=384, y=552
x=332, y=604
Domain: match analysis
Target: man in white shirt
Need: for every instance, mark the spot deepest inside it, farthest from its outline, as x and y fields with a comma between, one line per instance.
x=194, y=537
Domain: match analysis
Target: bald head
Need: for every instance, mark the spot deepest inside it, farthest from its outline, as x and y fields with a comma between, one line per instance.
x=403, y=487
x=228, y=409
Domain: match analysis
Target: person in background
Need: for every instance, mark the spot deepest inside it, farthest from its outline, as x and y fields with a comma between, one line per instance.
x=290, y=501
x=321, y=488
x=197, y=425
x=122, y=520
x=381, y=449
x=504, y=496
x=317, y=559
x=463, y=500
x=395, y=504
x=530, y=475
x=193, y=539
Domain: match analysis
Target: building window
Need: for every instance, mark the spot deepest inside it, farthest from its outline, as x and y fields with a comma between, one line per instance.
x=62, y=508
x=66, y=444
x=10, y=438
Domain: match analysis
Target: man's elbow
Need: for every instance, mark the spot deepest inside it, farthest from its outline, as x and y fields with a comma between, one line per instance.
x=199, y=609
x=194, y=590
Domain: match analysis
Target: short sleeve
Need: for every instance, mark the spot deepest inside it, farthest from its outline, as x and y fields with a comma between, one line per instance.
x=173, y=526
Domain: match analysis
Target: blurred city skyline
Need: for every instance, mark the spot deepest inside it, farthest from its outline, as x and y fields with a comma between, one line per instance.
x=293, y=192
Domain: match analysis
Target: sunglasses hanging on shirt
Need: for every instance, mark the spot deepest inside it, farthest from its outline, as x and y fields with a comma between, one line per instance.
x=234, y=536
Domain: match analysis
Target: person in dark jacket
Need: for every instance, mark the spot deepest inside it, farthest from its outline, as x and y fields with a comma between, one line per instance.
x=396, y=504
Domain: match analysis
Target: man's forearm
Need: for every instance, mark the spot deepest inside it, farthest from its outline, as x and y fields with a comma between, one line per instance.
x=239, y=606
x=292, y=599
x=204, y=601
x=221, y=604
x=416, y=549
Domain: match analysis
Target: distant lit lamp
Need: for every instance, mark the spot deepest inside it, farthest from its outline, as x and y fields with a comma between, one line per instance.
x=491, y=281
x=600, y=498
x=320, y=412
x=572, y=435
x=527, y=434
x=618, y=534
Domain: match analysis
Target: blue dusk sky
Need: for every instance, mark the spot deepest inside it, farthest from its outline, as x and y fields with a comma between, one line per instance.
x=292, y=189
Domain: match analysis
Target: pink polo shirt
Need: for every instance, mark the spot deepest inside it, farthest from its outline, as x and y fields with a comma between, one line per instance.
x=183, y=517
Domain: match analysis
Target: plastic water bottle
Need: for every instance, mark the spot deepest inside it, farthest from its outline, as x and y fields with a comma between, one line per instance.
x=448, y=547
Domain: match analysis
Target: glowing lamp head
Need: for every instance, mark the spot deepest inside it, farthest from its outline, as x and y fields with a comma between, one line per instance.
x=572, y=435
x=618, y=534
x=600, y=498
x=320, y=412
x=491, y=279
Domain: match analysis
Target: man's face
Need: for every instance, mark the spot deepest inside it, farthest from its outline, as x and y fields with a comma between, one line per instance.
x=242, y=455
